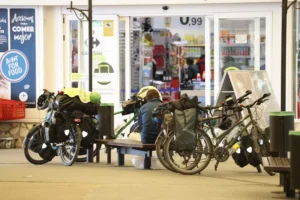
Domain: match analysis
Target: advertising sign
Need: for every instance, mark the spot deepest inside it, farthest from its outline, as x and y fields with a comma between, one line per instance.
x=23, y=39
x=3, y=30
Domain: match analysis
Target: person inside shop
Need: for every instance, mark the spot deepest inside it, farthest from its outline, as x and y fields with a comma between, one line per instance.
x=149, y=131
x=201, y=65
x=147, y=27
x=193, y=69
x=229, y=64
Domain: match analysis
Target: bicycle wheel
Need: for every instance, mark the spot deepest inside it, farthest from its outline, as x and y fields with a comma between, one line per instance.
x=160, y=151
x=33, y=144
x=69, y=151
x=261, y=145
x=192, y=162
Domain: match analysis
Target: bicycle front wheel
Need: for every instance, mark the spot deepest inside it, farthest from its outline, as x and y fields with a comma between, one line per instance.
x=160, y=152
x=189, y=162
x=69, y=151
x=33, y=144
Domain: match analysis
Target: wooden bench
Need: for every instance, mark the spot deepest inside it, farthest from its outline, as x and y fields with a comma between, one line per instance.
x=282, y=166
x=127, y=147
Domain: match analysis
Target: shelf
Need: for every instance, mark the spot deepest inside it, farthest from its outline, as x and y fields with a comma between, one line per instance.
x=195, y=92
x=236, y=45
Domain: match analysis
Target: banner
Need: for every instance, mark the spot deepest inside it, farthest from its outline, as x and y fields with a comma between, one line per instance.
x=23, y=39
x=3, y=30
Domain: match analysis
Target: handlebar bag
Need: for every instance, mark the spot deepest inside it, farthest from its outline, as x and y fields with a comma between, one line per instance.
x=185, y=127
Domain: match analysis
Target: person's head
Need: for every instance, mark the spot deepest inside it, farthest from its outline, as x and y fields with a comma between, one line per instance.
x=152, y=94
x=202, y=57
x=189, y=61
x=147, y=20
x=228, y=59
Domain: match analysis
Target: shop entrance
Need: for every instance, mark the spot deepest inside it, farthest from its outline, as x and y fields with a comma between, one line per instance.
x=106, y=70
x=190, y=54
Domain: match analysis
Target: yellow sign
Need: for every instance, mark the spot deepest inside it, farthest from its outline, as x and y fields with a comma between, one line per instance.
x=108, y=28
x=75, y=76
x=168, y=21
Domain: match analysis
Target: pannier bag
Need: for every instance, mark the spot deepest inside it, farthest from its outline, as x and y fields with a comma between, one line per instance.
x=47, y=152
x=128, y=107
x=246, y=155
x=185, y=125
x=89, y=132
x=57, y=129
x=183, y=103
x=69, y=104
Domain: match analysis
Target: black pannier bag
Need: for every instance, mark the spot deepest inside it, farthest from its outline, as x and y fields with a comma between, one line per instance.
x=247, y=155
x=89, y=132
x=57, y=129
x=69, y=104
x=47, y=152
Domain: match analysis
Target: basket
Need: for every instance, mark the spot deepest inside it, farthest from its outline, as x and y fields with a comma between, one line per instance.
x=10, y=109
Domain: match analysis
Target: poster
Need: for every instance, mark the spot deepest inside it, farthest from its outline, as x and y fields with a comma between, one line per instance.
x=23, y=39
x=3, y=30
x=105, y=66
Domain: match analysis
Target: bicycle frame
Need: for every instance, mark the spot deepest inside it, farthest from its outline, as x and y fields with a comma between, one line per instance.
x=216, y=140
x=126, y=124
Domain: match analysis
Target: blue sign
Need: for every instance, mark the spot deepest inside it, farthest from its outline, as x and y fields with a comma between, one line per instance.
x=3, y=30
x=14, y=66
x=23, y=38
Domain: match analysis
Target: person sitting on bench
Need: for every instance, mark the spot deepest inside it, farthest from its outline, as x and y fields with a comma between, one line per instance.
x=149, y=131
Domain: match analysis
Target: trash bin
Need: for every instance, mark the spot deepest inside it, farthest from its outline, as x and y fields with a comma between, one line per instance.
x=280, y=125
x=107, y=120
x=295, y=159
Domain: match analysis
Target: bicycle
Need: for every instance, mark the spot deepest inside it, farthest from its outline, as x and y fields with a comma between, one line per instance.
x=217, y=147
x=42, y=139
x=166, y=126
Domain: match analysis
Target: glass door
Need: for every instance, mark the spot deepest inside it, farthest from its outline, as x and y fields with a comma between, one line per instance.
x=240, y=43
x=106, y=69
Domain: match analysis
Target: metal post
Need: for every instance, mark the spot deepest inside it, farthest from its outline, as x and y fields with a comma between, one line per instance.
x=283, y=53
x=89, y=17
x=90, y=21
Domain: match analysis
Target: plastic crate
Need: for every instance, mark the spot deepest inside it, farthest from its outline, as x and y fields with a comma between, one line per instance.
x=10, y=109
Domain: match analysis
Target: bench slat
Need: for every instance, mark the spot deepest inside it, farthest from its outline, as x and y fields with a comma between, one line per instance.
x=125, y=143
x=272, y=161
x=278, y=162
x=265, y=161
x=285, y=161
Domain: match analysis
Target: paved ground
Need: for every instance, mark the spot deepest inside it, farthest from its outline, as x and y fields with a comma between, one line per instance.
x=82, y=181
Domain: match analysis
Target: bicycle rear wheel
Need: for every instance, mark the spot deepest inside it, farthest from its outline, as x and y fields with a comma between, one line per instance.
x=192, y=162
x=69, y=151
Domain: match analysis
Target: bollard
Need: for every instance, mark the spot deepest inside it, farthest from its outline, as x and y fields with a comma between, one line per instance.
x=295, y=159
x=106, y=126
x=280, y=125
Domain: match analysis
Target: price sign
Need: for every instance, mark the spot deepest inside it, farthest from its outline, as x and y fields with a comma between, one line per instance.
x=14, y=66
x=193, y=21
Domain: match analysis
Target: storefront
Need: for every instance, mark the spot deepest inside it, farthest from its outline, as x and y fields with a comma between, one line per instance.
x=246, y=34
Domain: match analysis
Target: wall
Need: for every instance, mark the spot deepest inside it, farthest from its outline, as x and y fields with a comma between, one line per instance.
x=126, y=2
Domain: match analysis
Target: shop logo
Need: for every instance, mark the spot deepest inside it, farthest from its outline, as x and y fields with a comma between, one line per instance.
x=14, y=66
x=95, y=43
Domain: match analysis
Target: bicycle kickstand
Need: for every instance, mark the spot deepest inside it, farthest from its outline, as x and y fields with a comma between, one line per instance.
x=216, y=165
